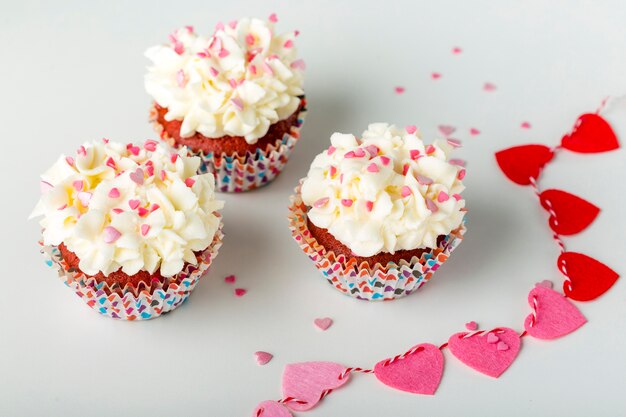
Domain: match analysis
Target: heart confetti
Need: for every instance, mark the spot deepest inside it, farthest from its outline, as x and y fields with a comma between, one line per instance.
x=591, y=134
x=489, y=87
x=521, y=163
x=323, y=323
x=262, y=358
x=589, y=278
x=553, y=315
x=569, y=214
x=525, y=125
x=418, y=372
x=240, y=292
x=471, y=326
x=307, y=381
x=399, y=90
x=480, y=352
x=446, y=130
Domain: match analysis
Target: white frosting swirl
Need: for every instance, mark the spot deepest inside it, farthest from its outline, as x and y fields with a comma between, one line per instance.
x=130, y=207
x=237, y=82
x=386, y=192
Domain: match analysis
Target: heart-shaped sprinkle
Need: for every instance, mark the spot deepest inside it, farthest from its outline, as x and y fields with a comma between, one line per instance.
x=442, y=197
x=461, y=174
x=230, y=279
x=298, y=64
x=331, y=150
x=405, y=191
x=150, y=145
x=457, y=197
x=346, y=202
x=321, y=202
x=137, y=176
x=273, y=18
x=134, y=149
x=78, y=185
x=430, y=204
x=84, y=198
x=369, y=205
x=385, y=160
x=262, y=358
x=240, y=292
x=471, y=325
x=372, y=150
x=473, y=131
x=456, y=50
x=110, y=163
x=458, y=162
x=323, y=323
x=455, y=143
x=546, y=283
x=373, y=168
x=414, y=154
x=501, y=346
x=435, y=75
x=111, y=234
x=429, y=149
x=399, y=90
x=288, y=44
x=142, y=211
x=446, y=130
x=525, y=125
x=189, y=182
x=114, y=193
x=489, y=87
x=81, y=151
x=145, y=228
x=423, y=180
x=492, y=338
x=410, y=129
x=133, y=204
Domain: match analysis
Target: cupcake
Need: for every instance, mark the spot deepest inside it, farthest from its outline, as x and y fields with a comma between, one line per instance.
x=234, y=98
x=130, y=228
x=380, y=214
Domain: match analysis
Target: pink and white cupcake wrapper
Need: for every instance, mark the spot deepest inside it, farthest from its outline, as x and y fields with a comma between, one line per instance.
x=363, y=281
x=134, y=304
x=237, y=173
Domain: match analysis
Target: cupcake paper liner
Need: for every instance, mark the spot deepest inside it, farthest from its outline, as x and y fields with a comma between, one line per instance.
x=130, y=303
x=365, y=282
x=237, y=173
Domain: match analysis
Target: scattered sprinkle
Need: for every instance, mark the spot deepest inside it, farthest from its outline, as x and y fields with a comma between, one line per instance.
x=373, y=168
x=213, y=72
x=189, y=182
x=423, y=180
x=273, y=18
x=446, y=130
x=473, y=131
x=111, y=163
x=137, y=176
x=145, y=228
x=385, y=160
x=405, y=169
x=347, y=202
x=230, y=279
x=471, y=326
x=457, y=162
x=323, y=323
x=331, y=150
x=369, y=205
x=461, y=174
x=492, y=338
x=399, y=90
x=442, y=197
x=150, y=145
x=489, y=87
x=405, y=191
x=262, y=358
x=411, y=129
x=84, y=198
x=332, y=171
x=250, y=39
x=372, y=150
x=455, y=143
x=288, y=44
x=240, y=292
x=456, y=50
x=111, y=234
x=435, y=75
x=502, y=346
x=223, y=53
x=174, y=158
x=142, y=211
x=78, y=185
x=430, y=149
x=70, y=161
x=298, y=64
x=133, y=204
x=457, y=197
x=430, y=204
x=525, y=125
x=237, y=103
x=81, y=151
x=414, y=154
x=321, y=202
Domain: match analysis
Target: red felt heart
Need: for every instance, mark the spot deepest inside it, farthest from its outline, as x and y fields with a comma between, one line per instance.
x=590, y=135
x=589, y=278
x=569, y=214
x=521, y=163
x=419, y=372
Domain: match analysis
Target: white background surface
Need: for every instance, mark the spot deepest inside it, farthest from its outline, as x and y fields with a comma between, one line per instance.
x=72, y=71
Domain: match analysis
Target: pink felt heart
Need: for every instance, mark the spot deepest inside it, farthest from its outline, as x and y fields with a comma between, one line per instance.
x=271, y=409
x=485, y=357
x=419, y=372
x=323, y=323
x=263, y=358
x=306, y=381
x=555, y=315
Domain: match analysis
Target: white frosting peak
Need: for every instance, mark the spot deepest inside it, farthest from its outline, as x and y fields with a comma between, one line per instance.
x=127, y=206
x=385, y=192
x=237, y=82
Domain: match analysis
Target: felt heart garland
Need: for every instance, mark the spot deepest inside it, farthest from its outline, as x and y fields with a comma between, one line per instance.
x=420, y=369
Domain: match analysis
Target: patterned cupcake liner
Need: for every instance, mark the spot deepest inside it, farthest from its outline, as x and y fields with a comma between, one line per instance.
x=237, y=173
x=130, y=303
x=362, y=281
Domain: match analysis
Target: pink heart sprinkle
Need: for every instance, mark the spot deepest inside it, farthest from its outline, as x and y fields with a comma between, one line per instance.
x=414, y=154
x=213, y=72
x=237, y=103
x=81, y=151
x=349, y=155
x=446, y=130
x=430, y=149
x=232, y=24
x=501, y=346
x=273, y=18
x=174, y=158
x=443, y=197
x=78, y=185
x=137, y=176
x=154, y=207
x=385, y=160
x=359, y=153
x=458, y=162
x=84, y=198
x=142, y=211
x=423, y=180
x=332, y=171
x=288, y=44
x=181, y=79
x=489, y=87
x=399, y=90
x=262, y=358
x=134, y=204
x=411, y=129
x=461, y=174
x=546, y=283
x=456, y=50
x=323, y=323
x=134, y=150
x=405, y=191
x=69, y=160
x=230, y=279
x=492, y=338
x=331, y=150
x=223, y=53
x=110, y=162
x=471, y=325
x=369, y=205
x=525, y=125
x=189, y=182
x=455, y=143
x=145, y=228
x=373, y=168
x=150, y=145
x=473, y=131
x=298, y=64
x=117, y=210
x=435, y=75
x=372, y=150
x=405, y=169
x=457, y=197
x=321, y=202
x=240, y=292
x=346, y=202
x=430, y=204
x=111, y=234
x=250, y=39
